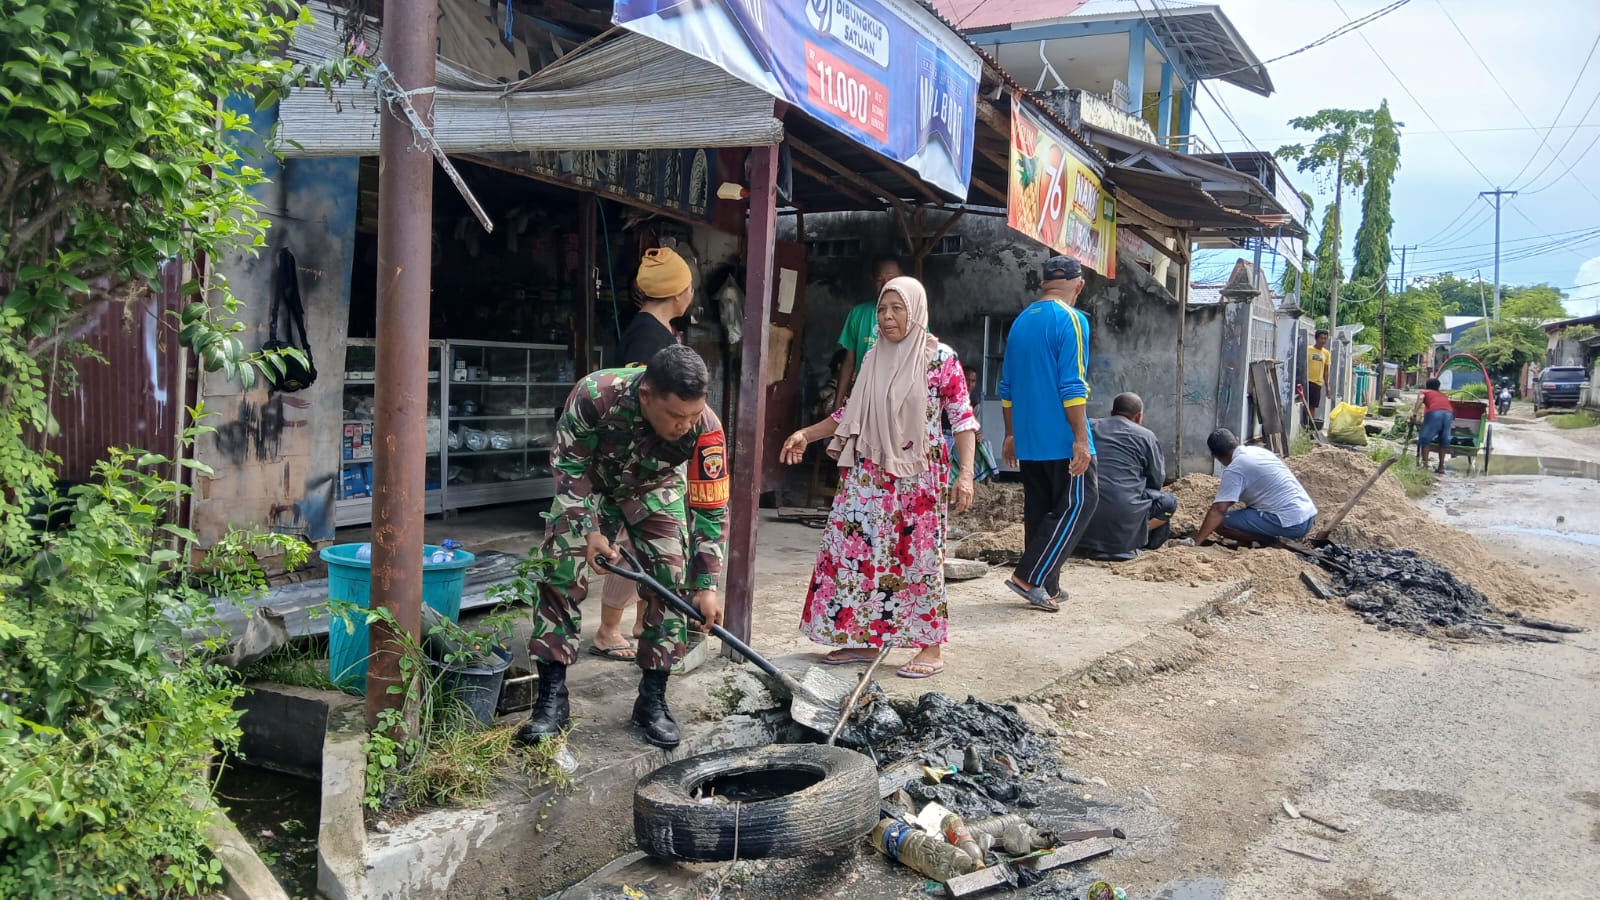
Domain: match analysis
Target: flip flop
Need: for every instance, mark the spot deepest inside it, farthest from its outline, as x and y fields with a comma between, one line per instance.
x=623, y=653
x=846, y=658
x=919, y=670
x=1036, y=598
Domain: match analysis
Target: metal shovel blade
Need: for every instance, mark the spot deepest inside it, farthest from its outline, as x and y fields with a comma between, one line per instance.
x=820, y=700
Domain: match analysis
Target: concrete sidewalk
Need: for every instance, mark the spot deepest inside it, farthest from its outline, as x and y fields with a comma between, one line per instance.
x=1000, y=649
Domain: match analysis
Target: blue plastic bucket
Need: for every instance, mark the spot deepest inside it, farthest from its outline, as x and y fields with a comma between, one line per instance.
x=350, y=580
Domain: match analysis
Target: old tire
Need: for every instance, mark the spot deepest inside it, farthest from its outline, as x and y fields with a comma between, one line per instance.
x=836, y=803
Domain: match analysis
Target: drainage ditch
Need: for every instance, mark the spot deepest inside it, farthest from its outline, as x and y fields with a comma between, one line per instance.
x=279, y=815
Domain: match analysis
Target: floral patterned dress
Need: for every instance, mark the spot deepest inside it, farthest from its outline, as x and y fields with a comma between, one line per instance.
x=879, y=577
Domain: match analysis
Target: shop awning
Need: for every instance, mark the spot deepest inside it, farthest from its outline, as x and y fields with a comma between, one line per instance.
x=631, y=93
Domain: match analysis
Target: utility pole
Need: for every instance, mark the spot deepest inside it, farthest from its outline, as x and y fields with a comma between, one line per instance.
x=1402, y=284
x=1497, y=193
x=405, y=274
x=1383, y=322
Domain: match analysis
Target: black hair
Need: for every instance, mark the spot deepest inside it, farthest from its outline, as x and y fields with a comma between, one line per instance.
x=1127, y=404
x=1321, y=332
x=885, y=260
x=679, y=371
x=1222, y=443
x=1433, y=384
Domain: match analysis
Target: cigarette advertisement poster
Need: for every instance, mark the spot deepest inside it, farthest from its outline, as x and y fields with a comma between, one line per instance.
x=886, y=73
x=1054, y=197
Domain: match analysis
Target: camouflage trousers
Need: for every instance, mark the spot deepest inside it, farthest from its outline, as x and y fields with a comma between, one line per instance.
x=660, y=542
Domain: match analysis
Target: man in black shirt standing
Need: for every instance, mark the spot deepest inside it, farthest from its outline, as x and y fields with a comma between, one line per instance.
x=666, y=290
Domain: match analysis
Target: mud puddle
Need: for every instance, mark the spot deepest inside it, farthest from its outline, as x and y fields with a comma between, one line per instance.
x=1578, y=537
x=1505, y=464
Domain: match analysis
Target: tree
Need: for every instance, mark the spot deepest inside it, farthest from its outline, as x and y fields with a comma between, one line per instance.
x=1373, y=253
x=1457, y=296
x=1537, y=302
x=1507, y=348
x=115, y=157
x=1344, y=137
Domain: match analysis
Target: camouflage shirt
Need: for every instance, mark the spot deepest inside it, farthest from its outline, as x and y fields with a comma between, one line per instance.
x=606, y=449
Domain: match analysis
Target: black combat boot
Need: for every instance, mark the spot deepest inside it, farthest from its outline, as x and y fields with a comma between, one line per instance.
x=551, y=712
x=650, y=711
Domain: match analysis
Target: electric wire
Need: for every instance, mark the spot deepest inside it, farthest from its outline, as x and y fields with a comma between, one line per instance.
x=1496, y=79
x=1420, y=106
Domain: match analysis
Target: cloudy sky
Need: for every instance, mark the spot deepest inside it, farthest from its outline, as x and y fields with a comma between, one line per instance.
x=1464, y=133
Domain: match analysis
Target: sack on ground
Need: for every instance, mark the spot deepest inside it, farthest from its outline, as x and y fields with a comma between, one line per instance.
x=1347, y=424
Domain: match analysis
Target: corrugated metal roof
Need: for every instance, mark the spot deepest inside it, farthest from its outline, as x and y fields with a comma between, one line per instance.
x=1205, y=294
x=1199, y=33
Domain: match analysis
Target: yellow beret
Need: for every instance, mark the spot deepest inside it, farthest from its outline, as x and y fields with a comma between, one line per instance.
x=662, y=274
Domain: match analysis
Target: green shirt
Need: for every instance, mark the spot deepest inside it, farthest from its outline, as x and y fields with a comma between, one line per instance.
x=860, y=332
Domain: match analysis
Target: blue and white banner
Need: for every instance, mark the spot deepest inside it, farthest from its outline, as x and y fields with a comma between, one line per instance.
x=886, y=73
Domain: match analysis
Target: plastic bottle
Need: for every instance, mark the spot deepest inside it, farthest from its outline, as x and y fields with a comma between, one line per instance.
x=446, y=552
x=955, y=831
x=364, y=553
x=1012, y=832
x=922, y=853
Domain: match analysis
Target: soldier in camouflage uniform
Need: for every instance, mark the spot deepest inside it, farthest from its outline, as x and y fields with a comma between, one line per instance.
x=635, y=449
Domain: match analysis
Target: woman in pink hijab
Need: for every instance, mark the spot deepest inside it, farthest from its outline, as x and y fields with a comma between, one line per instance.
x=879, y=578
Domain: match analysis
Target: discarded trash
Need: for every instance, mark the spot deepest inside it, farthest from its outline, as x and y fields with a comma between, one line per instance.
x=922, y=853
x=972, y=761
x=1101, y=890
x=1014, y=833
x=1305, y=853
x=956, y=832
x=1295, y=813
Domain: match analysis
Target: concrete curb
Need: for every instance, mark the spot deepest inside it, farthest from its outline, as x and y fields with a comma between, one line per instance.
x=342, y=833
x=248, y=877
x=1171, y=647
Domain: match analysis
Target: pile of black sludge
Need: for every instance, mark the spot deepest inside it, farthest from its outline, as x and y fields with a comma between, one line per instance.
x=985, y=754
x=1403, y=590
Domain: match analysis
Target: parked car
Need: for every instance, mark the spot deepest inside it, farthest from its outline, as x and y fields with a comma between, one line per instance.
x=1559, y=386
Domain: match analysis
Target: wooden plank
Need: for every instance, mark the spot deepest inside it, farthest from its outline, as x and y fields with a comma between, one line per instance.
x=995, y=876
x=843, y=171
x=1126, y=202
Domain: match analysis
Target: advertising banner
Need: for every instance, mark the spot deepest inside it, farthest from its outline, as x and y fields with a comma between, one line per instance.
x=886, y=73
x=1055, y=198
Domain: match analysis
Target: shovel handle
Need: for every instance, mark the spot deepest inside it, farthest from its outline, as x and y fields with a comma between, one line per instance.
x=635, y=573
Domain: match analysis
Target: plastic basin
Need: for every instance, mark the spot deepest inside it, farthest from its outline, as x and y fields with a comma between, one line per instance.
x=350, y=581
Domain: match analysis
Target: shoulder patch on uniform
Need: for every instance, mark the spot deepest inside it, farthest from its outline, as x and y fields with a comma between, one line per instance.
x=708, y=472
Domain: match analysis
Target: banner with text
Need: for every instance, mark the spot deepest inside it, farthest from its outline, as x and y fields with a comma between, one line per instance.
x=1055, y=197
x=886, y=73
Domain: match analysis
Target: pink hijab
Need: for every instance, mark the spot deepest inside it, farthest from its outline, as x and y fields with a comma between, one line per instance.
x=886, y=418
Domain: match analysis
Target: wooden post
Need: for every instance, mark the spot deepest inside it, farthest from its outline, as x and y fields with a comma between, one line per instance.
x=744, y=506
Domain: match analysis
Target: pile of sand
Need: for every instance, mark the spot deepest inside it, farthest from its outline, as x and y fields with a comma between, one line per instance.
x=1384, y=519
x=994, y=506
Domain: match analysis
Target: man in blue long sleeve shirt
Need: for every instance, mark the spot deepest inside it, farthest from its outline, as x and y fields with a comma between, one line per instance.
x=1043, y=392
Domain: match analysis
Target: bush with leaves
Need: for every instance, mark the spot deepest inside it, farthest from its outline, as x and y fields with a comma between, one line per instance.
x=110, y=714
x=116, y=157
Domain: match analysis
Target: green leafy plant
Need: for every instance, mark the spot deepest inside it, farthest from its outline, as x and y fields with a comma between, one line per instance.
x=431, y=750
x=1582, y=418
x=1413, y=477
x=110, y=714
x=118, y=157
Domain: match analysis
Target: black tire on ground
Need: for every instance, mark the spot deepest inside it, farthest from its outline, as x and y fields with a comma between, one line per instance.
x=794, y=800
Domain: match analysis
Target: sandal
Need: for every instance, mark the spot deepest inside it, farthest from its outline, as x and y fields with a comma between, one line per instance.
x=916, y=669
x=1037, y=598
x=620, y=653
x=845, y=656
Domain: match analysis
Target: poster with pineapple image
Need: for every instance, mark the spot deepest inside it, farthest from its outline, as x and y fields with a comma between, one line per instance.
x=1055, y=197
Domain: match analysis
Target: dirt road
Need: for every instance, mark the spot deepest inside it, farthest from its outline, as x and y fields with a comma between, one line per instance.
x=1461, y=770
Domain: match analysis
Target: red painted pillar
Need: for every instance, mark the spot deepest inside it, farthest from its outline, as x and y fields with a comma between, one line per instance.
x=744, y=507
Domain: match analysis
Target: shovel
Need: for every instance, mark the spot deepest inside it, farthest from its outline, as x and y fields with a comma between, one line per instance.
x=818, y=703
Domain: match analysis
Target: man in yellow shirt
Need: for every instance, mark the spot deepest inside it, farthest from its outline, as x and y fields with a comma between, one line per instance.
x=1317, y=359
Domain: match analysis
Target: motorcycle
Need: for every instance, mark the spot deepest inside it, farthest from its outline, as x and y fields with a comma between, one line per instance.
x=1502, y=403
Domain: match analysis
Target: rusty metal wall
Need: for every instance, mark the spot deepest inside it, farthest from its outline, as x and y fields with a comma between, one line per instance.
x=135, y=396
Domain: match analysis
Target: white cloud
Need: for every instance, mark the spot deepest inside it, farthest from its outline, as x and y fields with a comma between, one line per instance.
x=1585, y=301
